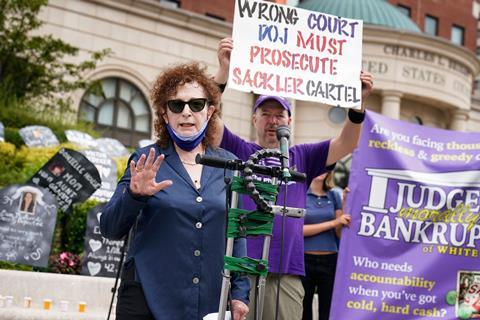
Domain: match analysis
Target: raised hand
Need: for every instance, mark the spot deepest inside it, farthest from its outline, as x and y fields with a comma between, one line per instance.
x=367, y=84
x=225, y=47
x=142, y=182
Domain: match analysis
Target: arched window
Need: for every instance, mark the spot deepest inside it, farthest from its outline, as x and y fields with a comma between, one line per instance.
x=118, y=109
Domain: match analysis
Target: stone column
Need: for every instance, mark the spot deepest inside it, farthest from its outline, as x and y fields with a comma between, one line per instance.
x=391, y=103
x=459, y=120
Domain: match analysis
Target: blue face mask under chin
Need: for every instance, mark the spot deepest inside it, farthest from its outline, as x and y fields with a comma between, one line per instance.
x=188, y=143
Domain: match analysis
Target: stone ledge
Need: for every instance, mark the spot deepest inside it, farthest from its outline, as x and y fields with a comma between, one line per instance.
x=17, y=313
x=95, y=291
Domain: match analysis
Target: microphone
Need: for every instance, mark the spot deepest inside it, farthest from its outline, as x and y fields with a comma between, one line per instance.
x=222, y=163
x=283, y=136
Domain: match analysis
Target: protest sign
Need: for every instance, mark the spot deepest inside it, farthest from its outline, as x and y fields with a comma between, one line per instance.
x=102, y=256
x=38, y=136
x=69, y=176
x=27, y=221
x=107, y=168
x=81, y=139
x=415, y=231
x=112, y=147
x=292, y=52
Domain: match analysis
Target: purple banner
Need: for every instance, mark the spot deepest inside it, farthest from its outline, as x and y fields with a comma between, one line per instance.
x=412, y=250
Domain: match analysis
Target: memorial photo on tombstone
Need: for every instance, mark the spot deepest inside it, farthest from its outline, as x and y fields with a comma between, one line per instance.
x=56, y=169
x=28, y=214
x=27, y=202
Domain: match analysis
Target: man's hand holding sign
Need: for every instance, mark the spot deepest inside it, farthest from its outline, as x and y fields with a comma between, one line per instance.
x=341, y=145
x=291, y=52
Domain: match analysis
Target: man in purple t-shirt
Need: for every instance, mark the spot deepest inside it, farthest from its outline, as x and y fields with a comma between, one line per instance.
x=269, y=112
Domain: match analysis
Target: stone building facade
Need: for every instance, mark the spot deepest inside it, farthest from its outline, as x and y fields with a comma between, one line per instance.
x=418, y=77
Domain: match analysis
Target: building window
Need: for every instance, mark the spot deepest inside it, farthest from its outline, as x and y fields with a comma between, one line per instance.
x=214, y=16
x=405, y=10
x=171, y=3
x=337, y=114
x=477, y=86
x=458, y=35
x=118, y=109
x=431, y=25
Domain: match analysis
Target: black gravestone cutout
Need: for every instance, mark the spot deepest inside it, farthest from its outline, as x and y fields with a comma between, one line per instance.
x=69, y=176
x=2, y=132
x=112, y=147
x=107, y=169
x=27, y=221
x=101, y=255
x=81, y=139
x=38, y=136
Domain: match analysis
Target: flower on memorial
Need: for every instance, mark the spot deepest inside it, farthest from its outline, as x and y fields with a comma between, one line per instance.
x=66, y=262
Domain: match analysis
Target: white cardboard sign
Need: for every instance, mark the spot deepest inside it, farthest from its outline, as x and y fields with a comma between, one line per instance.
x=291, y=52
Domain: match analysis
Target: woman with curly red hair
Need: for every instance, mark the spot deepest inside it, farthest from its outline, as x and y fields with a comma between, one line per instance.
x=175, y=262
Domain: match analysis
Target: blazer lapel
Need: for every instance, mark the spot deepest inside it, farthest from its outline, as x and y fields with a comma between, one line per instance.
x=173, y=160
x=207, y=171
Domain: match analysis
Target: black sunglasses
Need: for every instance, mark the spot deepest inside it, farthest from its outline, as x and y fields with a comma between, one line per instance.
x=196, y=105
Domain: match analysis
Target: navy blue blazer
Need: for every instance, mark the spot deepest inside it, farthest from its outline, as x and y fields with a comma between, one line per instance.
x=179, y=243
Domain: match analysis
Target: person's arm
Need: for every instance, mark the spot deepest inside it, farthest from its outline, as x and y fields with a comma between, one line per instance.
x=338, y=230
x=316, y=228
x=347, y=140
x=224, y=50
x=344, y=219
x=131, y=194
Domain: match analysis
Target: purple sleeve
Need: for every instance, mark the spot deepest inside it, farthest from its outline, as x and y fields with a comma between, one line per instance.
x=309, y=158
x=312, y=158
x=236, y=145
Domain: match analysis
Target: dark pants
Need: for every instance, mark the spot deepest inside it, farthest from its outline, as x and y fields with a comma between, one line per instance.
x=131, y=303
x=319, y=276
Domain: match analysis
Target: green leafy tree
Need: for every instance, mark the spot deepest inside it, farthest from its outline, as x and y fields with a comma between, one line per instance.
x=34, y=68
